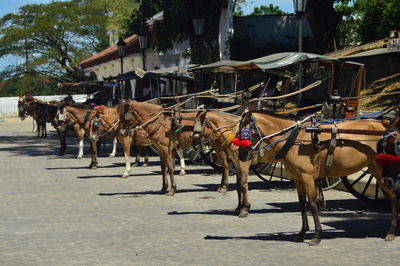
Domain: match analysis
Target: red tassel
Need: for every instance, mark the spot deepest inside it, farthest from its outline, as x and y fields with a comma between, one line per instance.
x=241, y=142
x=384, y=158
x=236, y=141
x=245, y=143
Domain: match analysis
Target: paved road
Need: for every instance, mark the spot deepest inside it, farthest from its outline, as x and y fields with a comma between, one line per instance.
x=55, y=211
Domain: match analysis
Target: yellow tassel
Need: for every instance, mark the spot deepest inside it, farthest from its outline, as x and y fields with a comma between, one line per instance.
x=228, y=140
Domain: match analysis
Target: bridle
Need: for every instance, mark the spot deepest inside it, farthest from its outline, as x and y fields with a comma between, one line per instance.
x=141, y=122
x=98, y=121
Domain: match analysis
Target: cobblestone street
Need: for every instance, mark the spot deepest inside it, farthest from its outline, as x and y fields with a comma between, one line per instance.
x=56, y=211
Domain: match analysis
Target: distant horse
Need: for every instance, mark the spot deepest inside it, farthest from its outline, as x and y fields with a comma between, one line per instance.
x=305, y=162
x=169, y=132
x=27, y=106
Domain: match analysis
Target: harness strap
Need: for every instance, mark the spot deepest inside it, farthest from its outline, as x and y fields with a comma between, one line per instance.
x=289, y=143
x=331, y=148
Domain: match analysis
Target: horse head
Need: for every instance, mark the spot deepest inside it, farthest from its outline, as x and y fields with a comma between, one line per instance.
x=126, y=117
x=96, y=122
x=198, y=129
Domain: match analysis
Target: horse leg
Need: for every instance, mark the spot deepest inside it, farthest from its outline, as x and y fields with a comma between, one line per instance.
x=114, y=150
x=45, y=130
x=391, y=234
x=181, y=161
x=146, y=155
x=244, y=187
x=126, y=146
x=321, y=199
x=138, y=152
x=93, y=147
x=80, y=148
x=171, y=168
x=311, y=190
x=63, y=143
x=39, y=128
x=223, y=158
x=34, y=125
x=164, y=188
x=303, y=209
x=239, y=192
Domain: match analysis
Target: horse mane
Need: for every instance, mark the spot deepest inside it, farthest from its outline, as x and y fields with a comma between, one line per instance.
x=75, y=105
x=148, y=105
x=122, y=108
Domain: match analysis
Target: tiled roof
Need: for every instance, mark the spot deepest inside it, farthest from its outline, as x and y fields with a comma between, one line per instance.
x=111, y=53
x=132, y=46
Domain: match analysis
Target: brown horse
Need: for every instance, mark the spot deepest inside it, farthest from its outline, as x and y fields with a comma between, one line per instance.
x=166, y=135
x=305, y=162
x=77, y=116
x=105, y=122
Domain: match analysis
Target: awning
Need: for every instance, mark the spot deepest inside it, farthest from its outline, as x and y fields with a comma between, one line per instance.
x=175, y=72
x=125, y=76
x=281, y=60
x=222, y=66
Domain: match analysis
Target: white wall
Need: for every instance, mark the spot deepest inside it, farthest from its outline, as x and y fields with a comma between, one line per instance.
x=9, y=105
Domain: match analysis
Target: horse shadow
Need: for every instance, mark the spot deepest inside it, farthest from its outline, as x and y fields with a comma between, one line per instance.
x=353, y=219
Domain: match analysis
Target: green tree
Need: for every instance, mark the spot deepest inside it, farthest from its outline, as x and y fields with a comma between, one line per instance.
x=53, y=38
x=177, y=25
x=267, y=10
x=367, y=20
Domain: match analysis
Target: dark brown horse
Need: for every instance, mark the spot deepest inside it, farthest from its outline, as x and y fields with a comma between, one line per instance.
x=27, y=105
x=168, y=131
x=305, y=162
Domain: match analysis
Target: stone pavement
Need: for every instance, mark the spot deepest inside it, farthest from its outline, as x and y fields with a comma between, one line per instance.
x=55, y=211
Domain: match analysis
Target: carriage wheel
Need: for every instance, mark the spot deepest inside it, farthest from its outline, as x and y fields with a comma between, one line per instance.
x=364, y=190
x=210, y=157
x=271, y=173
x=195, y=156
x=329, y=183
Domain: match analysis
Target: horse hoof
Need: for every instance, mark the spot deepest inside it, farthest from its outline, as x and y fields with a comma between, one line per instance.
x=146, y=164
x=124, y=176
x=135, y=165
x=111, y=155
x=314, y=242
x=389, y=237
x=182, y=172
x=79, y=157
x=222, y=189
x=243, y=214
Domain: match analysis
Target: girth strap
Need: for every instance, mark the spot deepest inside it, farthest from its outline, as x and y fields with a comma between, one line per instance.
x=289, y=143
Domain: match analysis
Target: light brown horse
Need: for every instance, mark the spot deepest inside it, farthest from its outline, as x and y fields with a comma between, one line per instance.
x=105, y=122
x=77, y=115
x=166, y=136
x=305, y=163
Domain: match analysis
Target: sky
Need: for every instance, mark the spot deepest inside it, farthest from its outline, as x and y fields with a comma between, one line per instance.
x=11, y=6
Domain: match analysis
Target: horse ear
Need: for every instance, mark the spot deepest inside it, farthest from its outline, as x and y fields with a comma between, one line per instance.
x=100, y=109
x=385, y=123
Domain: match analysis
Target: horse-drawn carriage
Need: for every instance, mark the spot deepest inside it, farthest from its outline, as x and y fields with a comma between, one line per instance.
x=272, y=83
